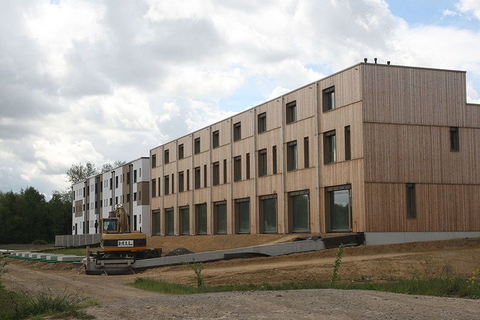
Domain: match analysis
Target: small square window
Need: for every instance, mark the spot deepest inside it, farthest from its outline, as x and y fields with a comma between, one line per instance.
x=262, y=122
x=291, y=112
x=215, y=139
x=328, y=99
x=197, y=146
x=237, y=131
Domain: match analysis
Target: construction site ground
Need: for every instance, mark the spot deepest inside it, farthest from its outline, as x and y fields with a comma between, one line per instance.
x=454, y=258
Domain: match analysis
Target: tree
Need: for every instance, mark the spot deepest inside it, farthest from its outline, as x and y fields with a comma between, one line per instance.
x=107, y=167
x=79, y=172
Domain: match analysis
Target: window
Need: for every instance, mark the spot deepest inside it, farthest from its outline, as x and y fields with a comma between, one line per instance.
x=454, y=139
x=291, y=112
x=188, y=180
x=134, y=197
x=156, y=223
x=268, y=214
x=216, y=173
x=180, y=151
x=197, y=178
x=262, y=162
x=220, y=217
x=184, y=220
x=166, y=182
x=216, y=139
x=298, y=211
x=154, y=161
x=262, y=122
x=237, y=168
x=248, y=165
x=197, y=146
x=205, y=176
x=154, y=188
x=338, y=208
x=292, y=156
x=111, y=186
x=348, y=150
x=329, y=147
x=181, y=182
x=173, y=183
x=201, y=218
x=237, y=131
x=169, y=222
x=328, y=99
x=128, y=179
x=140, y=172
x=306, y=153
x=411, y=205
x=116, y=182
x=159, y=184
x=166, y=156
x=242, y=215
x=274, y=159
x=224, y=170
x=134, y=176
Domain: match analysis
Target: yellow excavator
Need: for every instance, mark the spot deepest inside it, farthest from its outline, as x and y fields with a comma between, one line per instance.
x=120, y=245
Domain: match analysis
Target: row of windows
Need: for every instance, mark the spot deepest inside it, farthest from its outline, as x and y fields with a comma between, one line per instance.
x=298, y=216
x=291, y=116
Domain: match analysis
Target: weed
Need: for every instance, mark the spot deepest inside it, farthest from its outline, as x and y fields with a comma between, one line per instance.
x=197, y=267
x=336, y=266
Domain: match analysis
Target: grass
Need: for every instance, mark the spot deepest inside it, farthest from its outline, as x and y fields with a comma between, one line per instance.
x=441, y=287
x=72, y=251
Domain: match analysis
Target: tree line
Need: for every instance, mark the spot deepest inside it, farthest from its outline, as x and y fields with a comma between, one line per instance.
x=27, y=216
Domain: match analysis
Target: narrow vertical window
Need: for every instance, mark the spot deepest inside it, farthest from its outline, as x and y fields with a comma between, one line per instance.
x=329, y=147
x=166, y=188
x=224, y=170
x=173, y=183
x=197, y=146
x=262, y=122
x=348, y=150
x=237, y=131
x=159, y=184
x=262, y=162
x=306, y=153
x=454, y=139
x=237, y=168
x=216, y=173
x=166, y=156
x=248, y=166
x=188, y=179
x=216, y=139
x=292, y=156
x=154, y=160
x=197, y=178
x=205, y=176
x=411, y=205
x=181, y=181
x=180, y=151
x=274, y=159
x=291, y=112
x=328, y=96
x=154, y=188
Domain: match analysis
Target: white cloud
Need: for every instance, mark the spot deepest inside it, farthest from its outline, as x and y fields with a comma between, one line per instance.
x=449, y=13
x=101, y=81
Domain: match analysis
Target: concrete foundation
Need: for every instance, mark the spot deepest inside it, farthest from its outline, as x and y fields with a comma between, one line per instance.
x=378, y=238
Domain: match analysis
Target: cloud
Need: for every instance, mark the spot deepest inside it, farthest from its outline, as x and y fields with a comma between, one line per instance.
x=449, y=13
x=108, y=80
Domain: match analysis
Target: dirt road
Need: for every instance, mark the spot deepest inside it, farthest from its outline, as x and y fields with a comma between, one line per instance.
x=118, y=301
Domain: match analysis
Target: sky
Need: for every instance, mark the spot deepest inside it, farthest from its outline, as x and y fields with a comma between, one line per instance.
x=99, y=81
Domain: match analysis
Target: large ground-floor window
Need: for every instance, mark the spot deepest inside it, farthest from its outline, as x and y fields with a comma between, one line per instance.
x=201, y=218
x=169, y=222
x=268, y=214
x=220, y=214
x=298, y=211
x=156, y=222
x=242, y=215
x=184, y=220
x=338, y=208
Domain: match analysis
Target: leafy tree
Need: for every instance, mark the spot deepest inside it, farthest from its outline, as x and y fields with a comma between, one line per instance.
x=79, y=172
x=109, y=167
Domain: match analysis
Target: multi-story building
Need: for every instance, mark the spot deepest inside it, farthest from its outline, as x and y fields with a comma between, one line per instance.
x=97, y=196
x=381, y=149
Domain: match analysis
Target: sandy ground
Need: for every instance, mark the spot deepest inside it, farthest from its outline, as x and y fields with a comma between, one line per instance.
x=117, y=301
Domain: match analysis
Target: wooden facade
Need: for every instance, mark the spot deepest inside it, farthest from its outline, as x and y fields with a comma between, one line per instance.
x=391, y=126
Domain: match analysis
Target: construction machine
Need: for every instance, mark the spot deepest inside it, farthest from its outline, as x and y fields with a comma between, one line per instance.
x=120, y=245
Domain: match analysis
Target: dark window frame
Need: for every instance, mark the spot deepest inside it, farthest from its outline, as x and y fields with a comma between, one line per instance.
x=306, y=153
x=166, y=156
x=274, y=159
x=154, y=162
x=166, y=187
x=247, y=165
x=262, y=122
x=181, y=182
x=181, y=151
x=328, y=98
x=237, y=131
x=292, y=155
x=291, y=112
x=237, y=168
x=454, y=139
x=411, y=201
x=216, y=173
x=262, y=162
x=348, y=143
x=329, y=147
x=225, y=171
x=197, y=178
x=196, y=145
x=215, y=139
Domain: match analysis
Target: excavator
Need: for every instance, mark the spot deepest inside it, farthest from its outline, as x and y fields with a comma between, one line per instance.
x=120, y=245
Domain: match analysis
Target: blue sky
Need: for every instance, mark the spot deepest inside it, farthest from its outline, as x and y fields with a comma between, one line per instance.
x=99, y=81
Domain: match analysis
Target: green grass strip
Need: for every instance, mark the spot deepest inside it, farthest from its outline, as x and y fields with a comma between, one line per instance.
x=441, y=287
